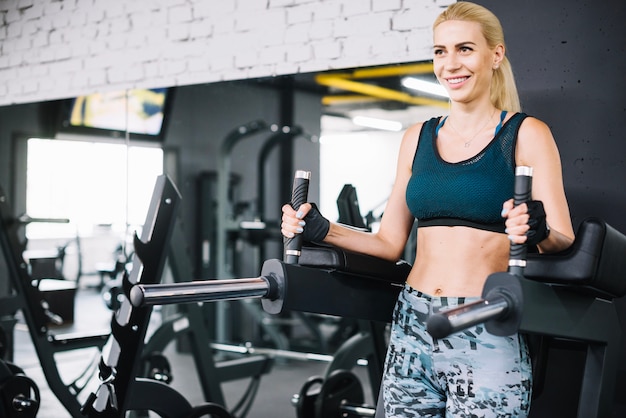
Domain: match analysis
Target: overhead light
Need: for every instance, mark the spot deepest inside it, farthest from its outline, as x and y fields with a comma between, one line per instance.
x=424, y=86
x=376, y=123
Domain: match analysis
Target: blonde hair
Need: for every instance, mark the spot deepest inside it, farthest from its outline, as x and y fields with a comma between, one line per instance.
x=503, y=89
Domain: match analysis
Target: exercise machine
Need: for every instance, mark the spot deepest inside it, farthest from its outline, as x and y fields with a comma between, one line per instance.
x=568, y=295
x=572, y=287
x=31, y=301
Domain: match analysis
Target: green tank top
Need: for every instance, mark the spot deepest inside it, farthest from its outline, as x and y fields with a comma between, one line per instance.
x=470, y=192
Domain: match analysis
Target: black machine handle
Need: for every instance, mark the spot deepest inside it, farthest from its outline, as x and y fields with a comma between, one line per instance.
x=299, y=196
x=521, y=194
x=500, y=306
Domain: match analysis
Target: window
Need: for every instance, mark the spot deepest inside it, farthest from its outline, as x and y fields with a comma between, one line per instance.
x=91, y=184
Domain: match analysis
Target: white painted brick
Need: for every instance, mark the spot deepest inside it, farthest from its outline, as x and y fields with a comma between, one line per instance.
x=299, y=53
x=14, y=30
x=46, y=55
x=140, y=20
x=257, y=71
x=178, y=32
x=249, y=5
x=300, y=14
x=246, y=59
x=119, y=25
x=255, y=19
x=200, y=29
x=174, y=67
x=22, y=4
x=326, y=50
x=221, y=62
x=4, y=66
x=198, y=64
x=39, y=70
x=64, y=67
x=30, y=87
x=272, y=55
x=411, y=19
x=116, y=42
x=21, y=44
x=388, y=44
x=354, y=8
x=280, y=3
x=321, y=29
x=270, y=37
x=33, y=12
x=224, y=25
x=179, y=14
x=95, y=15
x=52, y=8
x=363, y=24
x=213, y=8
x=16, y=59
x=384, y=5
x=12, y=16
x=327, y=10
x=297, y=34
x=121, y=43
x=113, y=10
x=357, y=47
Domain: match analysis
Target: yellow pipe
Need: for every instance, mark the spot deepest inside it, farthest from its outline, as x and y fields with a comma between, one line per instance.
x=376, y=91
x=348, y=98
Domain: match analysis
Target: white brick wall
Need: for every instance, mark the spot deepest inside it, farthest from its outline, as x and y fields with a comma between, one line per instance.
x=53, y=49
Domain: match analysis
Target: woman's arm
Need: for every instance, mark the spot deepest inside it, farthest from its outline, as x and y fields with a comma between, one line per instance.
x=390, y=239
x=536, y=148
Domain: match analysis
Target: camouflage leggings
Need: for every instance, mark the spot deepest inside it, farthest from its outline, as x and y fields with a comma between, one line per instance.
x=468, y=374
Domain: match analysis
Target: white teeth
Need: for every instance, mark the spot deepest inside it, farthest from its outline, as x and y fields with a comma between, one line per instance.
x=457, y=80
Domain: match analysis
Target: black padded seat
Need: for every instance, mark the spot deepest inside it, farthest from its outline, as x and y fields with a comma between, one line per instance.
x=328, y=257
x=595, y=263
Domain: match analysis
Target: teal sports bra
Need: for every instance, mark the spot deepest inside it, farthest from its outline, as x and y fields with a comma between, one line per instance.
x=466, y=193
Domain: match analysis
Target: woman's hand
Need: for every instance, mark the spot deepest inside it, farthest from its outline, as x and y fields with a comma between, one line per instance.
x=307, y=220
x=525, y=223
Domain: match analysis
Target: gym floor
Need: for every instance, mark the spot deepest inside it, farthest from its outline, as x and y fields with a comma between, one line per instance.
x=273, y=399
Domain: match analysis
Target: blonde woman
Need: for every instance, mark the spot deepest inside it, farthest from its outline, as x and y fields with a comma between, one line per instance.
x=455, y=175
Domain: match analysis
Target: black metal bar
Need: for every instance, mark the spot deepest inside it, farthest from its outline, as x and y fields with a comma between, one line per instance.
x=199, y=291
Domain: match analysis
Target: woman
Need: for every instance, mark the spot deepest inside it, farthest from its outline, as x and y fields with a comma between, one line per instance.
x=456, y=175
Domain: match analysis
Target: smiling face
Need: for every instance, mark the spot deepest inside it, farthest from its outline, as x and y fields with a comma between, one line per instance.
x=463, y=61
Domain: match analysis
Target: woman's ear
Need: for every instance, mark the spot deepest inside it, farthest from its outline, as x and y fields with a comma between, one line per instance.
x=498, y=56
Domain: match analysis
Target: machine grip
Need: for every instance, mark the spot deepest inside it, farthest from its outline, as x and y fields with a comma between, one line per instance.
x=299, y=196
x=521, y=194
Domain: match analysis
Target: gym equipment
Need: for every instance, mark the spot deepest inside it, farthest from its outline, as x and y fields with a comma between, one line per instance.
x=121, y=355
x=191, y=323
x=37, y=314
x=566, y=296
x=19, y=395
x=255, y=230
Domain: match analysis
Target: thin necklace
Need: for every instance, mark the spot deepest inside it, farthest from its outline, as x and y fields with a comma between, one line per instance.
x=467, y=143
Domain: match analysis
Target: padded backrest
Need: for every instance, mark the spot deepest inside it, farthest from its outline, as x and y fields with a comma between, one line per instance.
x=595, y=262
x=328, y=257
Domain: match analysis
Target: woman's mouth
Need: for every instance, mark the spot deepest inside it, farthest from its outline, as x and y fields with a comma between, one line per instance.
x=456, y=81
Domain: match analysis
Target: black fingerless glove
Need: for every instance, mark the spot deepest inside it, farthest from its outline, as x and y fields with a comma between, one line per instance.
x=539, y=229
x=316, y=227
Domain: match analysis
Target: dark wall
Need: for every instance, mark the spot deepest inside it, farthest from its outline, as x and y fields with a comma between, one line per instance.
x=204, y=115
x=570, y=64
x=569, y=58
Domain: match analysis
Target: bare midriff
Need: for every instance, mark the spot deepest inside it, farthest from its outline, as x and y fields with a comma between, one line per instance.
x=456, y=261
